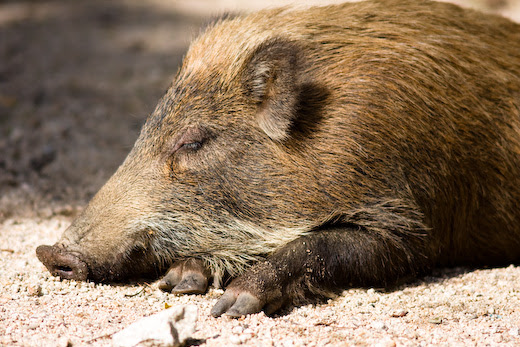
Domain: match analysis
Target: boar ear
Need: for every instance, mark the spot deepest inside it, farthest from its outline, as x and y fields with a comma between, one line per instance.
x=272, y=82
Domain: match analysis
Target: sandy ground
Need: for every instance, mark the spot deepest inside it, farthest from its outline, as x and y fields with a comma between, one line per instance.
x=452, y=307
x=77, y=80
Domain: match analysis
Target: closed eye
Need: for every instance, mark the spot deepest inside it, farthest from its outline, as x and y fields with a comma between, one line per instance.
x=192, y=146
x=191, y=140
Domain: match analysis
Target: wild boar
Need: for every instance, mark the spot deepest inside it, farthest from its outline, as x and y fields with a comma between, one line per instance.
x=301, y=151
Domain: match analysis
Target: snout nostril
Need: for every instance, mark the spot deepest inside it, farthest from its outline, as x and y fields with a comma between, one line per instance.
x=61, y=263
x=65, y=272
x=64, y=268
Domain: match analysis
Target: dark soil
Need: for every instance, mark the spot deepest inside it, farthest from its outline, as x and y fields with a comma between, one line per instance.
x=77, y=80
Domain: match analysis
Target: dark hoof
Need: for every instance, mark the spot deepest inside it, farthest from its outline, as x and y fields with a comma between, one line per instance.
x=235, y=304
x=186, y=277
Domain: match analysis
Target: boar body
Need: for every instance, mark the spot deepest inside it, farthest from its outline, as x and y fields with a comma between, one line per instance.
x=302, y=151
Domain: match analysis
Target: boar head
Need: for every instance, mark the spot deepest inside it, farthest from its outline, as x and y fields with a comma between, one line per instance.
x=215, y=173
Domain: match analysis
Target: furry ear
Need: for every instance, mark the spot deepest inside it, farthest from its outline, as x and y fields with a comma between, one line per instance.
x=272, y=80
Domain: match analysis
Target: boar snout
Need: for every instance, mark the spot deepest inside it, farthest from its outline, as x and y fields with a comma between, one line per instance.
x=62, y=263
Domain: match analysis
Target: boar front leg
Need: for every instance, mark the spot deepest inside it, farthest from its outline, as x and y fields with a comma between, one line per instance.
x=321, y=263
x=188, y=276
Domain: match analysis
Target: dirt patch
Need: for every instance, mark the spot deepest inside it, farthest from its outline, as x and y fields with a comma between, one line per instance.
x=77, y=80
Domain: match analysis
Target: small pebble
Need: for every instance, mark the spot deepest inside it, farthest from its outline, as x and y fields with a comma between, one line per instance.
x=435, y=320
x=398, y=314
x=237, y=330
x=379, y=325
x=235, y=339
x=386, y=343
x=32, y=326
x=35, y=290
x=514, y=332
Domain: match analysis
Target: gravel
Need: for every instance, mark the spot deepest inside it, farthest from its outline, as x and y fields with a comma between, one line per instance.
x=76, y=82
x=171, y=327
x=452, y=307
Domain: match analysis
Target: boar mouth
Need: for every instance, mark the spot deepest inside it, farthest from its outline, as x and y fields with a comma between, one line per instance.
x=62, y=263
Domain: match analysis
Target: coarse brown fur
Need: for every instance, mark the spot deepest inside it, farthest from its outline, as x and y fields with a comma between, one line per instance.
x=308, y=150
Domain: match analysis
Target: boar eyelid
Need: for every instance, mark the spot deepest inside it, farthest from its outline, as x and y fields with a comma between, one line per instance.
x=192, y=140
x=192, y=145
